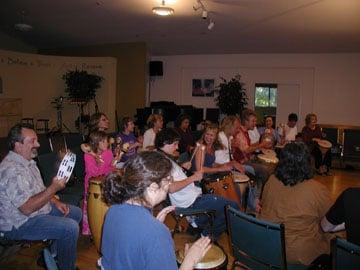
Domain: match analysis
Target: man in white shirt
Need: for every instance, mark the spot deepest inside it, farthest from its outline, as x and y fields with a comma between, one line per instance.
x=289, y=131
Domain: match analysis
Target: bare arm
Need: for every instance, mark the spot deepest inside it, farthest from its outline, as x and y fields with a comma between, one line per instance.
x=178, y=185
x=327, y=226
x=37, y=201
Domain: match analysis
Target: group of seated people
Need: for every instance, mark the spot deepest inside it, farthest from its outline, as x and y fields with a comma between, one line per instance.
x=151, y=170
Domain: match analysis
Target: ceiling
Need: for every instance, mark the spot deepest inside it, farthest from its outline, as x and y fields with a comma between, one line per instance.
x=241, y=26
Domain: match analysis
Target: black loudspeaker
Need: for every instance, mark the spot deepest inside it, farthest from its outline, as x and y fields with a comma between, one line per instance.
x=156, y=68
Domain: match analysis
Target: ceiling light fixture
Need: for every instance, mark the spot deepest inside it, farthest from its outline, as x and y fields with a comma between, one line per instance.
x=24, y=27
x=163, y=10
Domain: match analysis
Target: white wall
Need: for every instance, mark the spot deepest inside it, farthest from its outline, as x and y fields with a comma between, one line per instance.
x=37, y=80
x=328, y=82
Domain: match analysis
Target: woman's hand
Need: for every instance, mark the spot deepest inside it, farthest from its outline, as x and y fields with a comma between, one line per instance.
x=163, y=213
x=195, y=253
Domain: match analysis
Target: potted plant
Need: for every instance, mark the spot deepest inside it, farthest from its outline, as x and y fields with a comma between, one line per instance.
x=81, y=86
x=231, y=98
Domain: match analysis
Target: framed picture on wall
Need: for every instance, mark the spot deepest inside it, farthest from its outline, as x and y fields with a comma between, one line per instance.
x=203, y=87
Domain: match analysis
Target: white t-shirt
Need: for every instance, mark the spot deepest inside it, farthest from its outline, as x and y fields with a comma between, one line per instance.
x=254, y=135
x=186, y=196
x=149, y=138
x=290, y=133
x=222, y=156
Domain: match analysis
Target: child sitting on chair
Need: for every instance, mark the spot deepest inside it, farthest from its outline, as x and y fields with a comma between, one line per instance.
x=99, y=161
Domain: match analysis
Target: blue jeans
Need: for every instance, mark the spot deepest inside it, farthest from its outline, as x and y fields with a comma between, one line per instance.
x=53, y=226
x=213, y=202
x=261, y=175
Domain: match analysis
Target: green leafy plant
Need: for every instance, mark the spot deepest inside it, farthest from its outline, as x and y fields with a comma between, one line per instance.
x=232, y=97
x=81, y=86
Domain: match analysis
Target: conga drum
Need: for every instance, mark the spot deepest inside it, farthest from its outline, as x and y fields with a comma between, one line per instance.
x=242, y=181
x=324, y=146
x=97, y=209
x=214, y=259
x=221, y=184
x=270, y=162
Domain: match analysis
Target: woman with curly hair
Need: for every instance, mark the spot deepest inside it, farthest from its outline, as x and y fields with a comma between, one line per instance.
x=132, y=237
x=293, y=198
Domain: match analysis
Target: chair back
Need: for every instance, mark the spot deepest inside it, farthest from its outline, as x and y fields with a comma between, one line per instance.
x=345, y=255
x=48, y=165
x=49, y=260
x=256, y=244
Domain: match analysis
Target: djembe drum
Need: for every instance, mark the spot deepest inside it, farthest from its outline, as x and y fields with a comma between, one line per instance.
x=214, y=259
x=97, y=209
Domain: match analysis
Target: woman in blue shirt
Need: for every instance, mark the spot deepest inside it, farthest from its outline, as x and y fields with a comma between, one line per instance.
x=132, y=237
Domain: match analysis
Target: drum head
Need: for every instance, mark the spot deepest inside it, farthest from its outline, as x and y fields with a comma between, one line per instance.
x=240, y=177
x=269, y=159
x=324, y=144
x=214, y=258
x=268, y=152
x=216, y=176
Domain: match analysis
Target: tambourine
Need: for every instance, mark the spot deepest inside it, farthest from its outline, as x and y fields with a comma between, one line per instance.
x=66, y=166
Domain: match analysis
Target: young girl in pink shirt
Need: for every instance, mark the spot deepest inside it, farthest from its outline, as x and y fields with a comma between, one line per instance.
x=98, y=162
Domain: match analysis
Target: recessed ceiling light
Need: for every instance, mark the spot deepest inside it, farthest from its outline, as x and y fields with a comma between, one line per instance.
x=24, y=27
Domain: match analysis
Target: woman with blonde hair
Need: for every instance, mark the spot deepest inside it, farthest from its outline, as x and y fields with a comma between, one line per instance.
x=155, y=124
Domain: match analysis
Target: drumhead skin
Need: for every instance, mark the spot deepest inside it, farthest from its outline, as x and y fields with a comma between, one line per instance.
x=267, y=158
x=268, y=152
x=324, y=144
x=240, y=177
x=214, y=258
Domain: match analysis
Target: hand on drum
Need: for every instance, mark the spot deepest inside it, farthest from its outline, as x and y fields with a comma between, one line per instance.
x=226, y=167
x=163, y=213
x=265, y=144
x=195, y=252
x=237, y=166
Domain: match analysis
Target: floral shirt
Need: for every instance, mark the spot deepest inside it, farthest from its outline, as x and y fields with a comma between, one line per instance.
x=20, y=179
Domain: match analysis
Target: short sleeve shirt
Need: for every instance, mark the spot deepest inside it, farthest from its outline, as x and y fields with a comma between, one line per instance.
x=20, y=179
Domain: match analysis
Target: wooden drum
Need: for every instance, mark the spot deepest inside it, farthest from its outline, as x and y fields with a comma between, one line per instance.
x=214, y=259
x=222, y=184
x=96, y=209
x=242, y=181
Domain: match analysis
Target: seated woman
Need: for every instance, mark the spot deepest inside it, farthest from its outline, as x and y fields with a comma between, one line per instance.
x=98, y=162
x=98, y=121
x=183, y=191
x=155, y=123
x=293, y=198
x=311, y=133
x=205, y=155
x=126, y=136
x=269, y=133
x=132, y=237
x=186, y=143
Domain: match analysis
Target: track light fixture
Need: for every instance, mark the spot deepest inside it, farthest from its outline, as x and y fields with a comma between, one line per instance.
x=211, y=25
x=204, y=13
